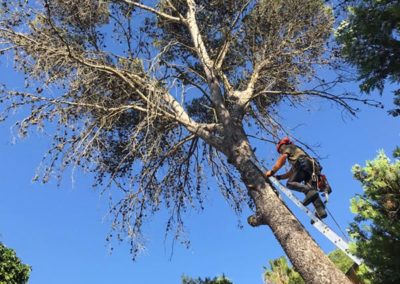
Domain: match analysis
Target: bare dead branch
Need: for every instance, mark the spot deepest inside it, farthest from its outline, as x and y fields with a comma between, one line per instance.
x=154, y=11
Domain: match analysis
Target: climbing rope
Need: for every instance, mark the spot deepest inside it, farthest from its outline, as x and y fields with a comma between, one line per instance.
x=337, y=224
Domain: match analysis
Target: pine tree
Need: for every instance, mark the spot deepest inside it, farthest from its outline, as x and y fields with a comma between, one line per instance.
x=369, y=39
x=376, y=227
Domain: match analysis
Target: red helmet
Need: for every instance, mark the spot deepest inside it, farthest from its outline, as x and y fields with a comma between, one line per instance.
x=284, y=141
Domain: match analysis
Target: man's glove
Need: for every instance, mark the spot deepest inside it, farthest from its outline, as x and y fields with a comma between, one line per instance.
x=270, y=173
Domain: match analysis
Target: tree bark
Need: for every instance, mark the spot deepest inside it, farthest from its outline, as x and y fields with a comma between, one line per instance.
x=306, y=256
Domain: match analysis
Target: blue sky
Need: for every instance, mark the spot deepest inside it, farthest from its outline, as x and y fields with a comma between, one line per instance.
x=61, y=231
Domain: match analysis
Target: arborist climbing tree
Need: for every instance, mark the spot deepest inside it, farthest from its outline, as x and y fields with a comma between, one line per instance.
x=156, y=97
x=304, y=176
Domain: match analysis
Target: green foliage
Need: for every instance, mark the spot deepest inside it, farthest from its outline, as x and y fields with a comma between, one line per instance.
x=370, y=39
x=396, y=152
x=376, y=227
x=281, y=273
x=216, y=280
x=341, y=260
x=12, y=270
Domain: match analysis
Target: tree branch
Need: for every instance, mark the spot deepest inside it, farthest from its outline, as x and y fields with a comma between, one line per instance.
x=341, y=100
x=247, y=95
x=154, y=11
x=207, y=63
x=193, y=127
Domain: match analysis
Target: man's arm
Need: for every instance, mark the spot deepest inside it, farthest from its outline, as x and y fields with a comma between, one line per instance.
x=284, y=176
x=279, y=164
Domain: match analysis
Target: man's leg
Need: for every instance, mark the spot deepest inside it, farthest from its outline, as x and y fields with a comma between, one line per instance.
x=311, y=196
x=295, y=183
x=319, y=208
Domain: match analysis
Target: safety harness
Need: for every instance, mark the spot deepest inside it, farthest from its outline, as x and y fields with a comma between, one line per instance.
x=318, y=180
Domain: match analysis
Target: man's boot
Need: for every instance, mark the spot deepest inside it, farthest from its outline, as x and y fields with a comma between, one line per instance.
x=320, y=211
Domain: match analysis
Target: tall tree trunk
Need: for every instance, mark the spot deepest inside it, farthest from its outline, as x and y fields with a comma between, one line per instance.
x=306, y=256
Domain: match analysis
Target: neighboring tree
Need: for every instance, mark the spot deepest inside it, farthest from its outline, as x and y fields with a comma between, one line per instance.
x=376, y=227
x=281, y=273
x=396, y=152
x=12, y=270
x=370, y=38
x=152, y=98
x=216, y=280
x=341, y=260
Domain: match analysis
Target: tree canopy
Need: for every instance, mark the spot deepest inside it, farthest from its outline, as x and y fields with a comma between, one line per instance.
x=111, y=78
x=370, y=38
x=12, y=270
x=376, y=227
